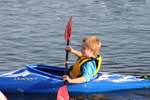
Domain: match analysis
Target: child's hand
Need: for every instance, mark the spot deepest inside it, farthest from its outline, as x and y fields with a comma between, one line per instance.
x=73, y=51
x=69, y=49
x=67, y=78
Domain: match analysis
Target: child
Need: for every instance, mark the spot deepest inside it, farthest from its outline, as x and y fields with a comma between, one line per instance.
x=89, y=61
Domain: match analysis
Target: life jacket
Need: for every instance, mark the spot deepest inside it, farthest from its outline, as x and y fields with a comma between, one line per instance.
x=76, y=69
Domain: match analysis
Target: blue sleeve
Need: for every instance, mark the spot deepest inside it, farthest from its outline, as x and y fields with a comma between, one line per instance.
x=88, y=70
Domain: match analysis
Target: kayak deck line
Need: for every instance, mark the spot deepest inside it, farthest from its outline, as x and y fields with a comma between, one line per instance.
x=47, y=79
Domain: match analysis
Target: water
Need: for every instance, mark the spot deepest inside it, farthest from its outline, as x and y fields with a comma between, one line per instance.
x=31, y=31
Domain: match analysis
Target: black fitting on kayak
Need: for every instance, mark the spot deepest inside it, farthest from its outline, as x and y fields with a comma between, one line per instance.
x=147, y=77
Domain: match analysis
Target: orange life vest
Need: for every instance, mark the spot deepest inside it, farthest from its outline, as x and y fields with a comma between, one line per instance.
x=76, y=69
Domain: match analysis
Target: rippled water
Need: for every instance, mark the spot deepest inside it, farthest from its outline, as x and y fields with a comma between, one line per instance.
x=31, y=31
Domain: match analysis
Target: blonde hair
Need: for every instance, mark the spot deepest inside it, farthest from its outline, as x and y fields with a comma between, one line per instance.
x=93, y=43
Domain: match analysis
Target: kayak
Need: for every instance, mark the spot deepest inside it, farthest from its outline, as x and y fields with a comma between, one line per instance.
x=36, y=78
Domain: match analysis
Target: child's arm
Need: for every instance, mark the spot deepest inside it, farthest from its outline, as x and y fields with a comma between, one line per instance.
x=77, y=53
x=73, y=51
x=81, y=79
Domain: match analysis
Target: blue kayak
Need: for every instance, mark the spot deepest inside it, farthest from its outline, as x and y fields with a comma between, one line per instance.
x=36, y=78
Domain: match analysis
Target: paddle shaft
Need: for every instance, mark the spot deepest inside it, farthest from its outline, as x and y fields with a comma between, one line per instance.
x=63, y=91
x=67, y=59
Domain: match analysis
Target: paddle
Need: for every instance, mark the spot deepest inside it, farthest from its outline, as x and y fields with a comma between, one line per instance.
x=63, y=91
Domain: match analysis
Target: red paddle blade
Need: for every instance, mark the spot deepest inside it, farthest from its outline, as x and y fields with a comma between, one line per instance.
x=68, y=30
x=63, y=93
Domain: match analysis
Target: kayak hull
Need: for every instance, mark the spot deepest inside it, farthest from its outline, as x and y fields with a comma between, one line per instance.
x=48, y=79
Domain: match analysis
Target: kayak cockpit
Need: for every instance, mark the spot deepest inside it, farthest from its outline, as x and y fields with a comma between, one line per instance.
x=49, y=69
x=52, y=71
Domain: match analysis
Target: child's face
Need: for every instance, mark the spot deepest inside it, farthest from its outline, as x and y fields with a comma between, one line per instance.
x=86, y=51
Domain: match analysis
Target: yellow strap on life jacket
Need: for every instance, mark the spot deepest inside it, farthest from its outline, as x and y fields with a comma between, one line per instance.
x=84, y=60
x=99, y=65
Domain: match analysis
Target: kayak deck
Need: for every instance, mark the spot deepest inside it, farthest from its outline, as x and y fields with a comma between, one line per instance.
x=47, y=79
